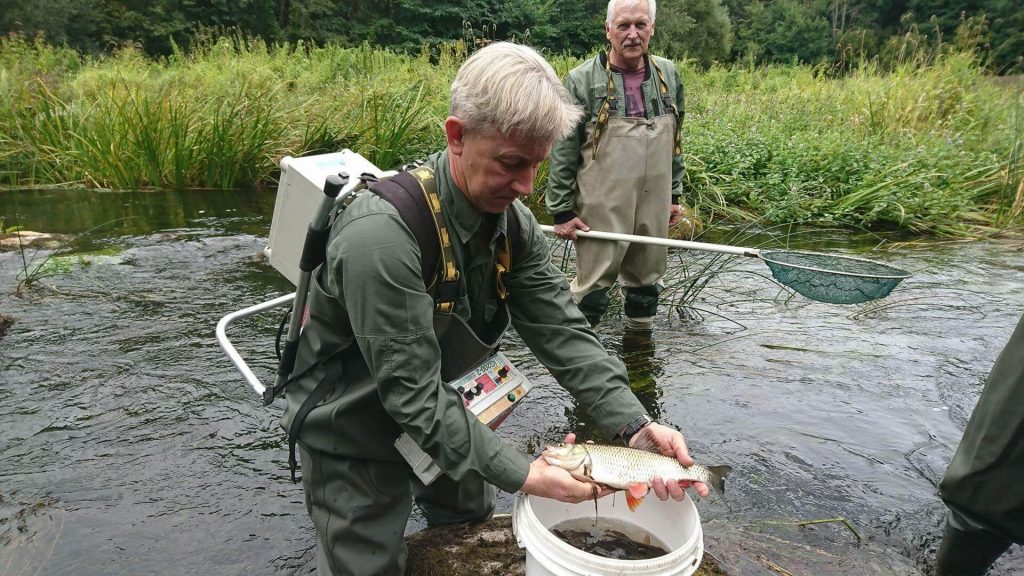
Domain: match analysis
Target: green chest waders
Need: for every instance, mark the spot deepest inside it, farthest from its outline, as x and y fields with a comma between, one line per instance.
x=982, y=486
x=624, y=185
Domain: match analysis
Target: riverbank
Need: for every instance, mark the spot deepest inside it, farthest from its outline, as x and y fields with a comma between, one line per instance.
x=930, y=147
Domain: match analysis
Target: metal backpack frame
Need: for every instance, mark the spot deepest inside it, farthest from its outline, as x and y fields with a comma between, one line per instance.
x=413, y=193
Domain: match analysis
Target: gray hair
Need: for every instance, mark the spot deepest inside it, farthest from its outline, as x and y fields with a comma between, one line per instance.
x=511, y=89
x=652, y=8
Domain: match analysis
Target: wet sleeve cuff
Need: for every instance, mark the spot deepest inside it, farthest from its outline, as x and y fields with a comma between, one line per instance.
x=563, y=217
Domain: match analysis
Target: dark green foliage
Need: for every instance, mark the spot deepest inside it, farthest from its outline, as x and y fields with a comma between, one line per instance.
x=706, y=31
x=570, y=26
x=787, y=31
x=697, y=29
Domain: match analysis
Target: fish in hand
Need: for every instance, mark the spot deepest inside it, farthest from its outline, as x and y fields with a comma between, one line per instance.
x=629, y=469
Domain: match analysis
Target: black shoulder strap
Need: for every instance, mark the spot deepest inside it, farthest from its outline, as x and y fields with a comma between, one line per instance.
x=414, y=195
x=403, y=192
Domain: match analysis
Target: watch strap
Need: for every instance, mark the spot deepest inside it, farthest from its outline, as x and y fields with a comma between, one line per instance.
x=635, y=426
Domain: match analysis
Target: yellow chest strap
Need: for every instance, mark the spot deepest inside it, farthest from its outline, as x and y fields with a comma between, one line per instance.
x=445, y=285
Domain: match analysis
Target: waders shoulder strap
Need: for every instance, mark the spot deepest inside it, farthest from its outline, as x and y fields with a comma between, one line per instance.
x=507, y=251
x=414, y=195
x=669, y=104
x=609, y=105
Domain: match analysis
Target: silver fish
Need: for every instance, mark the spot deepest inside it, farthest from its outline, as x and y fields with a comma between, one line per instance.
x=629, y=469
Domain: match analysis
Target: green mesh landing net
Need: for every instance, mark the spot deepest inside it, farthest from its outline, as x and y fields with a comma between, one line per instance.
x=833, y=279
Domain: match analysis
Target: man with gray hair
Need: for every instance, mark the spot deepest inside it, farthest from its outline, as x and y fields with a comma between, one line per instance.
x=621, y=169
x=379, y=347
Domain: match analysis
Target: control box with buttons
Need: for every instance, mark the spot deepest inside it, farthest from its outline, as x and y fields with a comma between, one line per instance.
x=490, y=391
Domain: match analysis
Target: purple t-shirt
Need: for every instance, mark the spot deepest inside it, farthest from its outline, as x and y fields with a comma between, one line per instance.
x=632, y=81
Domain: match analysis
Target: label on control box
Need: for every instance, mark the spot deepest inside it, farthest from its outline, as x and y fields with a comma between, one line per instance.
x=490, y=391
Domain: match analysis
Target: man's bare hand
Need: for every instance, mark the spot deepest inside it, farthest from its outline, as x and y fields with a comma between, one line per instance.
x=669, y=442
x=554, y=482
x=567, y=230
x=674, y=214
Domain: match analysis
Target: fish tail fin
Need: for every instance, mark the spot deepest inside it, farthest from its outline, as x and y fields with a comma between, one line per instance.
x=718, y=474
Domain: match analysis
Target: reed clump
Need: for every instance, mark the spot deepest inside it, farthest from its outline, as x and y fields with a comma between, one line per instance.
x=929, y=145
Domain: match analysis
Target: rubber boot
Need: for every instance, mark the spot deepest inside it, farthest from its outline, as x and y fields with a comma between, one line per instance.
x=594, y=305
x=640, y=305
x=640, y=301
x=967, y=553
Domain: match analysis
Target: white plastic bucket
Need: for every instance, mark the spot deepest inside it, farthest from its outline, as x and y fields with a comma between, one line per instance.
x=676, y=524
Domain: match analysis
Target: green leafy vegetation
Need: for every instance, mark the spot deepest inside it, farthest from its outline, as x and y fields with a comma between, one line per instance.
x=931, y=145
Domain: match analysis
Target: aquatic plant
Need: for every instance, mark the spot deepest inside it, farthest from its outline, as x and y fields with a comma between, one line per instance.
x=38, y=264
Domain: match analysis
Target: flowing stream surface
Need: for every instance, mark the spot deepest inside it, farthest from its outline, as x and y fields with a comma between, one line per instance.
x=129, y=444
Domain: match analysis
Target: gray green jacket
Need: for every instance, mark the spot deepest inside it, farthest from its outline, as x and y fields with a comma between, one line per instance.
x=588, y=86
x=370, y=292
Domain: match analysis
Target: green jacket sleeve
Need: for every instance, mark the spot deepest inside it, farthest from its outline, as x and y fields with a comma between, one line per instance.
x=551, y=325
x=392, y=320
x=563, y=162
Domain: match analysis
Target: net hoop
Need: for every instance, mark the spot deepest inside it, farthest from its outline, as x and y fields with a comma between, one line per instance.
x=895, y=273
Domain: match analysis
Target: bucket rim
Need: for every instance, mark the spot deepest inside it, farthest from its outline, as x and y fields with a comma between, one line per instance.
x=554, y=549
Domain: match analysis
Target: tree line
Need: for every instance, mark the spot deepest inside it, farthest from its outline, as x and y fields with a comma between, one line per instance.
x=706, y=31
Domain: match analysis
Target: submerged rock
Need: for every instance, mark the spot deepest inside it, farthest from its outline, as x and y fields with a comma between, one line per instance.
x=28, y=239
x=5, y=323
x=487, y=549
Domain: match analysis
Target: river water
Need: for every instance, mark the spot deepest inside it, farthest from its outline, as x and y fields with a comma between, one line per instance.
x=130, y=445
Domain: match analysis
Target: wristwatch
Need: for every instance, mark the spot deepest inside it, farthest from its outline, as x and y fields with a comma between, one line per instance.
x=635, y=426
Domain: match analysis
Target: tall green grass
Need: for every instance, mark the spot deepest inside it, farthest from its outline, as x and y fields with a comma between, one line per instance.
x=929, y=146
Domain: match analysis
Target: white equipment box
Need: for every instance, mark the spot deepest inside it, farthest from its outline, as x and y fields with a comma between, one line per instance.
x=299, y=193
x=490, y=391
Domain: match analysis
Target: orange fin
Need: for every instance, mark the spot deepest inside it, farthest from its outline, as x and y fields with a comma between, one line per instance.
x=635, y=495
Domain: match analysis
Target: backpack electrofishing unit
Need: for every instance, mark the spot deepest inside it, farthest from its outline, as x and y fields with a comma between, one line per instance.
x=311, y=194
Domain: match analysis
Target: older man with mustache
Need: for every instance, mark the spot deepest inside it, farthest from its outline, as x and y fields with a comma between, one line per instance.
x=621, y=169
